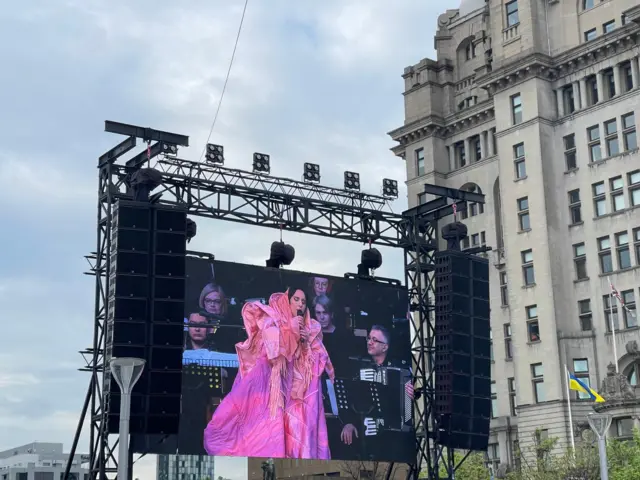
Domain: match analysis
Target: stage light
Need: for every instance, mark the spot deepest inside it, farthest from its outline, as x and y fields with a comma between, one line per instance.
x=351, y=181
x=143, y=182
x=281, y=254
x=261, y=163
x=215, y=154
x=169, y=149
x=192, y=229
x=370, y=259
x=311, y=172
x=390, y=188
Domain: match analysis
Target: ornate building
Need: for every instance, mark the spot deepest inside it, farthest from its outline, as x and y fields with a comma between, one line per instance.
x=535, y=103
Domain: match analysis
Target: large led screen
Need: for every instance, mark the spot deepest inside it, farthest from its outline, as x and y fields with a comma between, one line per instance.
x=285, y=364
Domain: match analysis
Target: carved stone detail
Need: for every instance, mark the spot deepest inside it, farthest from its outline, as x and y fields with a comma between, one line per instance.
x=616, y=386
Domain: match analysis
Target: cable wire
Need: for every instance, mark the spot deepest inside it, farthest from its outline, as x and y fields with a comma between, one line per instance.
x=226, y=80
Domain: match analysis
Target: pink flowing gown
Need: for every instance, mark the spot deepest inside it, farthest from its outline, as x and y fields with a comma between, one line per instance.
x=274, y=408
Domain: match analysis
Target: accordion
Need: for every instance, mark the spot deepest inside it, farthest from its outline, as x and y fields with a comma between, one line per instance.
x=378, y=393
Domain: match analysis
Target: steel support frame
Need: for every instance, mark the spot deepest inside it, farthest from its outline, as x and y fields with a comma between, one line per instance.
x=215, y=192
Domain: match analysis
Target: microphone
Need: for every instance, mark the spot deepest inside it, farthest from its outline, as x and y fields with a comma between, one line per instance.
x=301, y=314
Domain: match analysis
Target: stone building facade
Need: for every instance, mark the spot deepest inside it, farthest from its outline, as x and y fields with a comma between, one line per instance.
x=535, y=104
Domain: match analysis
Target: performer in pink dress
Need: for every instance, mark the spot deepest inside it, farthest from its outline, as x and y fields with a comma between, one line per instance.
x=275, y=407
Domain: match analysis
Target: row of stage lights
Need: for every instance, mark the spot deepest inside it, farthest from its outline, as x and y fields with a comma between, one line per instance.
x=262, y=164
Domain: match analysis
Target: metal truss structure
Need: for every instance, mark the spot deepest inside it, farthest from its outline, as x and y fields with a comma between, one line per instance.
x=216, y=192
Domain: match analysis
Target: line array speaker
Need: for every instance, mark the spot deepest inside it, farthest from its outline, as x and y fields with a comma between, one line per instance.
x=145, y=316
x=463, y=350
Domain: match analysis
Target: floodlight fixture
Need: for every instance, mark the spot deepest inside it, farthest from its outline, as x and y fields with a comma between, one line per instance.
x=126, y=371
x=311, y=173
x=352, y=181
x=261, y=163
x=215, y=154
x=370, y=259
x=281, y=254
x=170, y=149
x=389, y=188
x=192, y=229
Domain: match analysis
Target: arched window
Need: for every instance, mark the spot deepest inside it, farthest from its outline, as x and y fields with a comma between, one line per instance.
x=632, y=372
x=473, y=208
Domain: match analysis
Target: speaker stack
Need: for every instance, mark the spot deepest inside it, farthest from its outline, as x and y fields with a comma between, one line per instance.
x=145, y=315
x=463, y=350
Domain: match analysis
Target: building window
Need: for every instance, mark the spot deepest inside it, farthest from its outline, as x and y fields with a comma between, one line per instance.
x=622, y=250
x=494, y=400
x=636, y=243
x=475, y=240
x=513, y=404
x=523, y=214
x=575, y=207
x=533, y=327
x=508, y=344
x=611, y=137
x=527, y=267
x=504, y=293
x=470, y=51
x=493, y=457
x=590, y=35
x=599, y=199
x=609, y=82
x=461, y=156
x=494, y=140
x=592, y=89
x=610, y=312
x=587, y=4
x=477, y=149
x=420, y=161
x=629, y=132
x=634, y=188
x=568, y=100
x=570, y=152
x=624, y=427
x=617, y=193
x=627, y=76
x=465, y=243
x=516, y=109
x=584, y=313
x=518, y=155
x=512, y=13
x=609, y=26
x=580, y=261
x=604, y=251
x=491, y=344
x=581, y=371
x=537, y=374
x=595, y=152
x=629, y=309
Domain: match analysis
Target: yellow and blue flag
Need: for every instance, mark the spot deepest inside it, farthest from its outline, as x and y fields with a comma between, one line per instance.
x=579, y=386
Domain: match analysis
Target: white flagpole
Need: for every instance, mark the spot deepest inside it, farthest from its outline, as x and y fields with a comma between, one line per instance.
x=612, y=303
x=566, y=377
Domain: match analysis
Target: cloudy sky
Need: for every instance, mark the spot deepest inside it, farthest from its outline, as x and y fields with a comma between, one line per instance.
x=314, y=81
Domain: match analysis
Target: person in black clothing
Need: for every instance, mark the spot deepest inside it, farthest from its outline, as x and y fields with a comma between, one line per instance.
x=213, y=301
x=378, y=342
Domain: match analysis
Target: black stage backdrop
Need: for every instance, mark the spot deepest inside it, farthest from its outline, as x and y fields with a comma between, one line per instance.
x=369, y=395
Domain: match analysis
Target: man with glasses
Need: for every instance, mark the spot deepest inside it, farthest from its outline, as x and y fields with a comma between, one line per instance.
x=378, y=342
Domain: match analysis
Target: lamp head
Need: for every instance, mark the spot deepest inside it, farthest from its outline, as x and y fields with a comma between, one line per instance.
x=599, y=423
x=127, y=372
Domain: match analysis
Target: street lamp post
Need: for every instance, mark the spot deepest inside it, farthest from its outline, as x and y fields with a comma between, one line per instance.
x=127, y=372
x=600, y=423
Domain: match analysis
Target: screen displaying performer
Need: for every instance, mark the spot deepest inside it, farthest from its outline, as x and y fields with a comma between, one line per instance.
x=285, y=364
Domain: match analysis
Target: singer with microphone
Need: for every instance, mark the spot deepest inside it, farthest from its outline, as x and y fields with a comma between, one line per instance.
x=275, y=406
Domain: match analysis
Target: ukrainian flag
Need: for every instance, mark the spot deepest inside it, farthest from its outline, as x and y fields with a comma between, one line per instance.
x=579, y=386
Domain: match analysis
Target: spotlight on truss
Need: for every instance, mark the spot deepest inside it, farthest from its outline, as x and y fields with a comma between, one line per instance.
x=192, y=229
x=351, y=181
x=169, y=149
x=389, y=188
x=281, y=254
x=215, y=154
x=370, y=259
x=261, y=163
x=311, y=173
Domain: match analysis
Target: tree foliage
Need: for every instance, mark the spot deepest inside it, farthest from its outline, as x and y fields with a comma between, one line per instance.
x=542, y=461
